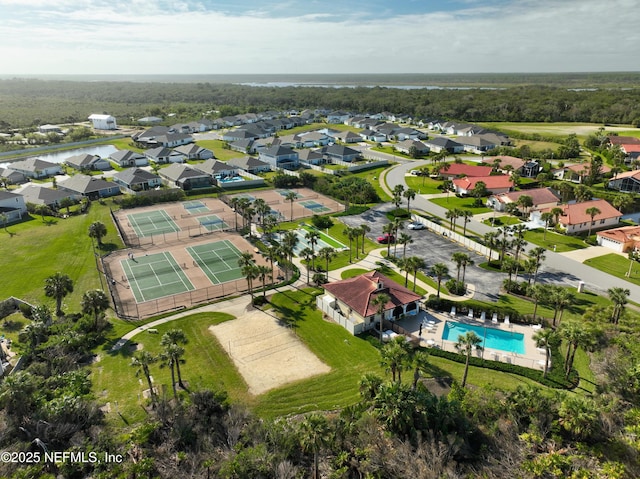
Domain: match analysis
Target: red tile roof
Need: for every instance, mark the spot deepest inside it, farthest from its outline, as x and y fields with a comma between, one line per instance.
x=358, y=292
x=576, y=213
x=506, y=160
x=540, y=196
x=491, y=182
x=626, y=234
x=628, y=148
x=627, y=174
x=624, y=140
x=461, y=169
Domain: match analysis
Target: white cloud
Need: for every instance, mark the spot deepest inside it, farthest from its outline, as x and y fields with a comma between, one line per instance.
x=143, y=36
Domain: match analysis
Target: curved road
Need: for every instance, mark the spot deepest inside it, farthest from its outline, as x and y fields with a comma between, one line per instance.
x=564, y=269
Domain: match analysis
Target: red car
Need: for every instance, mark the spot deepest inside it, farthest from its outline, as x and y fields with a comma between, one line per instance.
x=386, y=238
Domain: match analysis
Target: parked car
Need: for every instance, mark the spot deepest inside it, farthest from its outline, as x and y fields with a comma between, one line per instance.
x=386, y=238
x=416, y=225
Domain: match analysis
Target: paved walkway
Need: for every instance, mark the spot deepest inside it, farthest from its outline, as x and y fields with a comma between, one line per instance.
x=581, y=255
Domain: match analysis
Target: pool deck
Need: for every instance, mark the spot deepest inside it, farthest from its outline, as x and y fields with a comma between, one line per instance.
x=433, y=328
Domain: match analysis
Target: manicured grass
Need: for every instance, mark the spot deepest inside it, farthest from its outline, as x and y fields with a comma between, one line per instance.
x=206, y=366
x=502, y=220
x=350, y=273
x=558, y=129
x=33, y=250
x=324, y=237
x=561, y=242
x=423, y=185
x=462, y=203
x=616, y=265
x=221, y=153
x=373, y=176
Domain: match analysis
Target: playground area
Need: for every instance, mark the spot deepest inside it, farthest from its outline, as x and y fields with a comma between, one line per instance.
x=306, y=202
x=167, y=277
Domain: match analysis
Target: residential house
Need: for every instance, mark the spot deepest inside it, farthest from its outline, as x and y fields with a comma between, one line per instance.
x=457, y=170
x=89, y=186
x=216, y=168
x=575, y=219
x=349, y=137
x=476, y=144
x=280, y=157
x=185, y=177
x=11, y=177
x=494, y=184
x=128, y=158
x=103, y=122
x=250, y=164
x=171, y=140
x=337, y=117
x=149, y=135
x=526, y=169
x=39, y=195
x=441, y=143
x=576, y=173
x=311, y=157
x=540, y=197
x=36, y=168
x=623, y=140
x=341, y=153
x=239, y=134
x=406, y=146
x=621, y=240
x=402, y=134
x=46, y=129
x=161, y=155
x=87, y=162
x=315, y=138
x=372, y=135
x=12, y=206
x=194, y=152
x=627, y=182
x=133, y=180
x=244, y=146
x=353, y=299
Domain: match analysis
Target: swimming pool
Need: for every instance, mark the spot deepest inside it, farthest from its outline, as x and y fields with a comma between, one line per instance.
x=493, y=338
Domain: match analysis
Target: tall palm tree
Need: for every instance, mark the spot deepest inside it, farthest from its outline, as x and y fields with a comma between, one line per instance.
x=380, y=302
x=491, y=241
x=398, y=225
x=97, y=230
x=404, y=239
x=263, y=273
x=168, y=357
x=271, y=254
x=233, y=204
x=57, y=286
x=538, y=255
x=364, y=229
x=394, y=356
x=414, y=264
x=466, y=261
x=290, y=240
x=420, y=362
x=327, y=253
x=538, y=292
x=410, y=195
x=546, y=338
x=314, y=434
x=440, y=271
x=142, y=360
x=350, y=233
x=459, y=259
x=307, y=254
x=291, y=197
x=557, y=213
x=546, y=217
x=262, y=209
x=465, y=345
x=175, y=337
x=592, y=212
x=94, y=302
x=388, y=229
x=312, y=237
x=618, y=297
x=398, y=191
x=561, y=298
x=250, y=272
x=245, y=259
x=465, y=214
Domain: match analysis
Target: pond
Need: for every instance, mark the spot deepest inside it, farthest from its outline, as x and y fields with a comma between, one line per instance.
x=103, y=151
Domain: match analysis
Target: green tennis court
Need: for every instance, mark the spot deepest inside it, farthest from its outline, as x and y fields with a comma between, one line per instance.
x=151, y=223
x=155, y=276
x=245, y=195
x=285, y=192
x=213, y=223
x=195, y=207
x=218, y=260
x=315, y=206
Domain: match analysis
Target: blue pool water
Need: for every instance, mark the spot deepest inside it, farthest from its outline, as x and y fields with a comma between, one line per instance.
x=509, y=341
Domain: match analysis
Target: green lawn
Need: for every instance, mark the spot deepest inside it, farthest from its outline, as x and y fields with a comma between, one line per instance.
x=560, y=242
x=423, y=185
x=221, y=153
x=373, y=177
x=616, y=265
x=462, y=203
x=33, y=250
x=502, y=221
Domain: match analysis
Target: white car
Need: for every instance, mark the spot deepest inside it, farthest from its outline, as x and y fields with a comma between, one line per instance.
x=416, y=225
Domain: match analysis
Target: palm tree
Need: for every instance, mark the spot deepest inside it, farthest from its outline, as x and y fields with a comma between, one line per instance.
x=394, y=356
x=557, y=213
x=560, y=298
x=398, y=190
x=538, y=255
x=546, y=338
x=491, y=241
x=414, y=264
x=402, y=263
x=546, y=217
x=4, y=218
x=398, y=225
x=262, y=209
x=380, y=302
x=289, y=242
x=234, y=204
x=327, y=253
x=592, y=212
x=57, y=286
x=250, y=272
x=440, y=271
x=271, y=254
x=97, y=230
x=312, y=237
x=307, y=254
x=141, y=361
x=466, y=261
x=388, y=229
x=291, y=197
x=350, y=233
x=364, y=229
x=168, y=356
x=420, y=362
x=460, y=259
x=465, y=345
x=175, y=337
x=538, y=292
x=452, y=215
x=465, y=214
x=263, y=273
x=41, y=210
x=404, y=239
x=94, y=302
x=410, y=195
x=618, y=297
x=245, y=259
x=314, y=434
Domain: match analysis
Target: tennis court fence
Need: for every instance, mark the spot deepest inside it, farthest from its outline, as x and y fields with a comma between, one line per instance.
x=134, y=241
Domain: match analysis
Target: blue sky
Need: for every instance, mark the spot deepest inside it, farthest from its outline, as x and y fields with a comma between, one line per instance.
x=312, y=36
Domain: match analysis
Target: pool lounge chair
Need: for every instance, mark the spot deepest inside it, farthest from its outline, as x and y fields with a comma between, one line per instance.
x=506, y=319
x=494, y=318
x=453, y=311
x=483, y=316
x=470, y=313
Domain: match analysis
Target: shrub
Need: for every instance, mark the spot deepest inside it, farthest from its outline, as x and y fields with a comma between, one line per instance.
x=456, y=287
x=398, y=213
x=26, y=310
x=7, y=307
x=322, y=222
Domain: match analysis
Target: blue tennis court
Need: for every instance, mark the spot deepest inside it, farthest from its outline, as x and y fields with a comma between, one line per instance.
x=315, y=206
x=245, y=195
x=213, y=223
x=285, y=192
x=195, y=207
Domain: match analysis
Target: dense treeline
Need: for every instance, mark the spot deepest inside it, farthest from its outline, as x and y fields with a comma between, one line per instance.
x=29, y=102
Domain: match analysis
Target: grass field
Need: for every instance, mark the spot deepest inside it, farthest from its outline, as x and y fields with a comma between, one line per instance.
x=373, y=177
x=502, y=221
x=221, y=153
x=553, y=129
x=423, y=185
x=462, y=203
x=560, y=242
x=616, y=265
x=35, y=250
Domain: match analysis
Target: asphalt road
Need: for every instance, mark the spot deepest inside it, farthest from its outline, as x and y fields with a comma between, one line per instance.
x=556, y=268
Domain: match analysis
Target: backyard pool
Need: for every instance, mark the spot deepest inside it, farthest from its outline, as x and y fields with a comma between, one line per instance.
x=492, y=338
